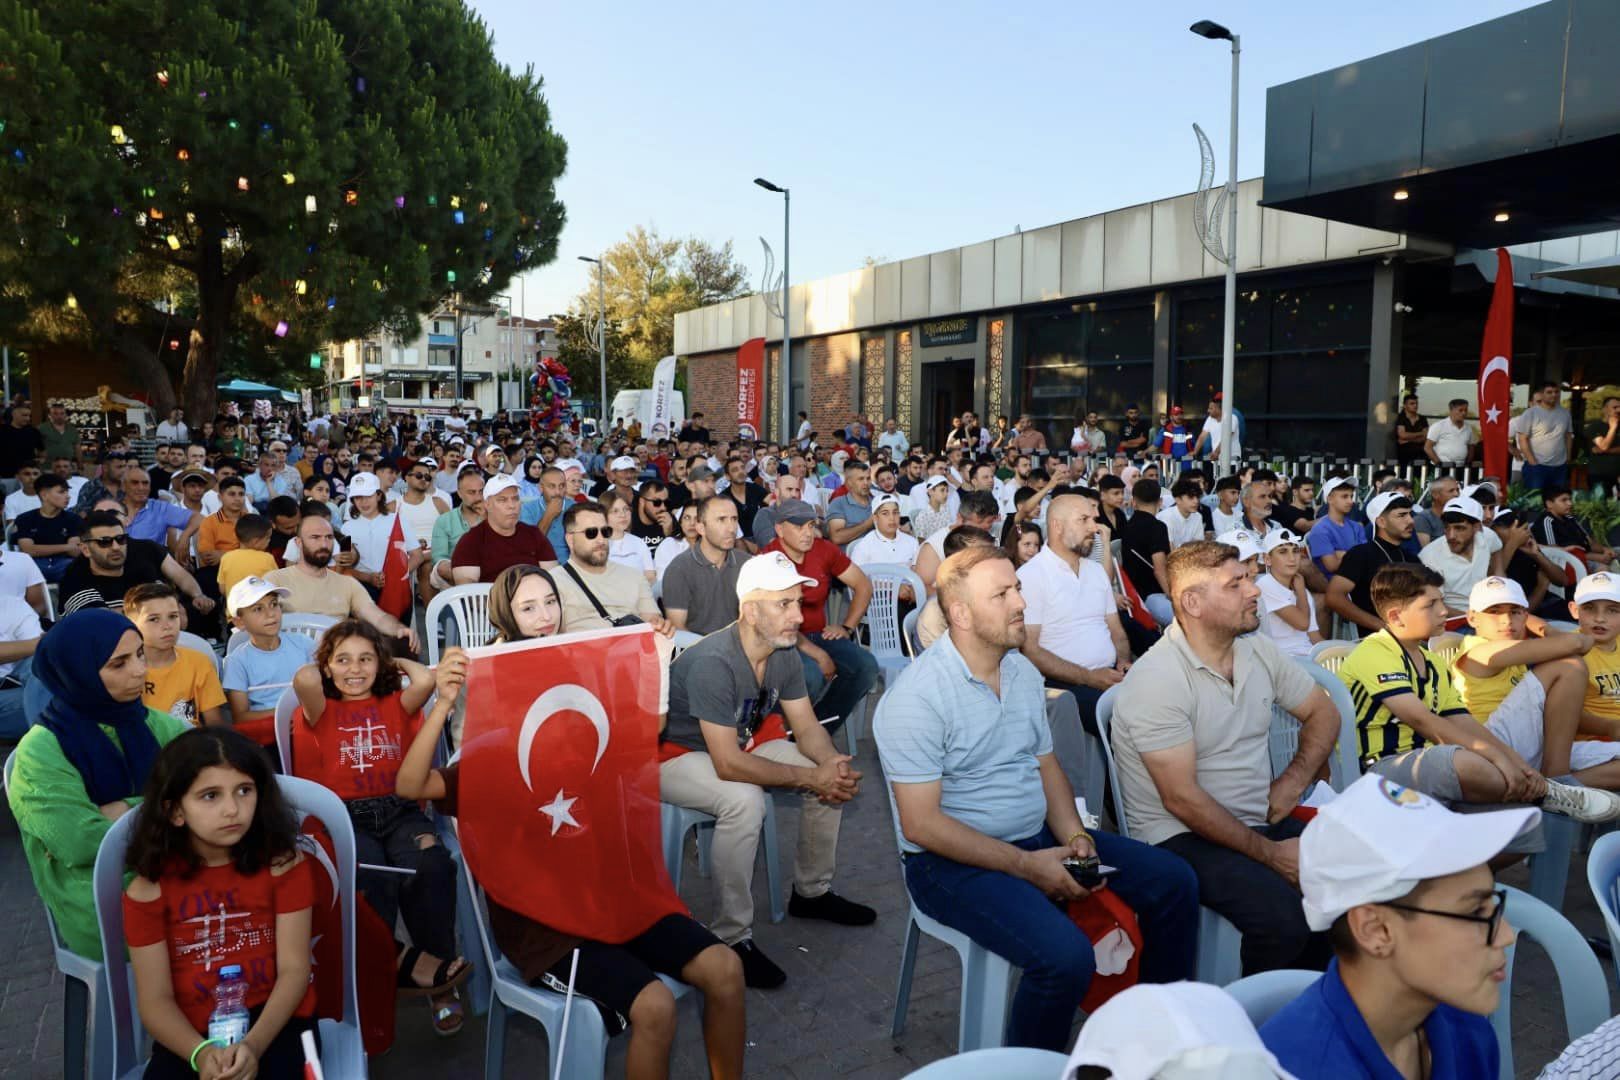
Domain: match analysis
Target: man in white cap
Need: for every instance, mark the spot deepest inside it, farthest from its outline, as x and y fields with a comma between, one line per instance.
x=369, y=531
x=500, y=540
x=622, y=473
x=1334, y=533
x=1248, y=549
x=1466, y=554
x=260, y=668
x=1420, y=934
x=1349, y=593
x=1171, y=1031
x=1530, y=690
x=733, y=698
x=885, y=543
x=987, y=816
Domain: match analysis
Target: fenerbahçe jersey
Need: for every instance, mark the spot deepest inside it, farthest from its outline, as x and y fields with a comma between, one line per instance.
x=1379, y=669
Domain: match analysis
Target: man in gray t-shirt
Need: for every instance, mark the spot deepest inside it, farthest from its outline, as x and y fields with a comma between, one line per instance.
x=733, y=697
x=1544, y=433
x=700, y=584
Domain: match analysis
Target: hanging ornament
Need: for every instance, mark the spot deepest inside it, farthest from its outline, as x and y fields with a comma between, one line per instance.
x=455, y=201
x=331, y=302
x=19, y=155
x=288, y=178
x=309, y=204
x=174, y=242
x=232, y=124
x=433, y=200
x=118, y=134
x=460, y=218
x=489, y=234
x=375, y=284
x=351, y=197
x=450, y=276
x=183, y=154
x=72, y=301
x=148, y=192
x=399, y=202
x=155, y=214
x=360, y=84
x=301, y=286
x=483, y=208
x=174, y=344
x=162, y=78
x=281, y=328
x=241, y=183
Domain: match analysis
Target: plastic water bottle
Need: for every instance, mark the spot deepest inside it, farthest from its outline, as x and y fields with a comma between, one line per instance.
x=229, y=1021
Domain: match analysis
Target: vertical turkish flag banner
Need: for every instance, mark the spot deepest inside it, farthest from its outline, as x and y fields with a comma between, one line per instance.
x=1496, y=371
x=559, y=807
x=396, y=597
x=750, y=387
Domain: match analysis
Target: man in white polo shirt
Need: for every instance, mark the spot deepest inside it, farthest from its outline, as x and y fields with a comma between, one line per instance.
x=1466, y=555
x=1451, y=436
x=885, y=543
x=1073, y=633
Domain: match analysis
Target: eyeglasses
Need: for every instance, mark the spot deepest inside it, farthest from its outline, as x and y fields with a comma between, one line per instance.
x=1492, y=921
x=109, y=541
x=421, y=476
x=591, y=532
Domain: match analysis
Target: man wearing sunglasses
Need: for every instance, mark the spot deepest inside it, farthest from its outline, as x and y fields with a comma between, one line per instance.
x=112, y=565
x=1404, y=888
x=652, y=521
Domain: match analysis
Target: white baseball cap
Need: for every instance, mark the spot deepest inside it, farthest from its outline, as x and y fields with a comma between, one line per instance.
x=1277, y=538
x=498, y=483
x=249, y=591
x=885, y=499
x=1599, y=586
x=933, y=481
x=1465, y=506
x=1378, y=841
x=1242, y=539
x=771, y=572
x=429, y=462
x=364, y=483
x=1473, y=489
x=569, y=463
x=623, y=461
x=1496, y=590
x=1379, y=504
x=1198, y=1029
x=1335, y=484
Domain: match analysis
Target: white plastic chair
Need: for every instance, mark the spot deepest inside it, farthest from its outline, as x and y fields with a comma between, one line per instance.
x=909, y=629
x=676, y=821
x=1559, y=557
x=1446, y=646
x=188, y=640
x=587, y=1038
x=1330, y=654
x=292, y=622
x=883, y=614
x=342, y=1048
x=685, y=639
x=469, y=606
x=1264, y=995
x=1581, y=981
x=86, y=1021
x=999, y=1063
x=1344, y=763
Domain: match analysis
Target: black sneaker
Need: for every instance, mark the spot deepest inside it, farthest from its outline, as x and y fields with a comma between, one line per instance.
x=832, y=907
x=758, y=970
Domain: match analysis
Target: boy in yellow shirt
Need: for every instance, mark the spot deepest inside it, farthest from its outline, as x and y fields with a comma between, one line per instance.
x=179, y=681
x=252, y=558
x=1528, y=690
x=1597, y=607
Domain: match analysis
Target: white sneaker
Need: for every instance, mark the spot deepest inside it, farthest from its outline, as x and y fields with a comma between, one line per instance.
x=1586, y=804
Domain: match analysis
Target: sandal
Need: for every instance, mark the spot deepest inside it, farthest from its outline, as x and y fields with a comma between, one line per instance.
x=448, y=1017
x=446, y=977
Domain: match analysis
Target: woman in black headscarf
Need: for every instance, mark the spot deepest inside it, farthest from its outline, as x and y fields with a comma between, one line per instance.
x=84, y=762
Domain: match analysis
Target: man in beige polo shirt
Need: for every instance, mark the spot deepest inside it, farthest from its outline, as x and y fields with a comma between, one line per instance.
x=1191, y=749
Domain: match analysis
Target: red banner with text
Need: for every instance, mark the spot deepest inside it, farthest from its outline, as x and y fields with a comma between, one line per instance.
x=750, y=387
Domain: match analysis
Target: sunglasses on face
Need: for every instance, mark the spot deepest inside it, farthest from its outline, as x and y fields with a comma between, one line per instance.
x=591, y=532
x=109, y=541
x=421, y=476
x=655, y=502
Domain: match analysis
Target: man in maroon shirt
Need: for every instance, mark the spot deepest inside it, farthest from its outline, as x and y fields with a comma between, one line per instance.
x=838, y=670
x=500, y=540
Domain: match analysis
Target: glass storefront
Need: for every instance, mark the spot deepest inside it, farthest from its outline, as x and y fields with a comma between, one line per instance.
x=1086, y=358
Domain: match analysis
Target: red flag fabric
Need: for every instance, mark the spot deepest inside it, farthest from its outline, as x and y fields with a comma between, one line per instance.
x=374, y=949
x=1496, y=371
x=750, y=387
x=1139, y=610
x=397, y=597
x=559, y=808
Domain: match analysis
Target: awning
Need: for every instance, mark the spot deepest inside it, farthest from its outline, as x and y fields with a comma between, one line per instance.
x=1604, y=272
x=247, y=388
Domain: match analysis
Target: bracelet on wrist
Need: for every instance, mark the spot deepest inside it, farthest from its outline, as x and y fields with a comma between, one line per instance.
x=200, y=1047
x=1070, y=841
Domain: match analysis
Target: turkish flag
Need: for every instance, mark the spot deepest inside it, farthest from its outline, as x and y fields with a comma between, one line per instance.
x=1139, y=610
x=396, y=597
x=1496, y=371
x=559, y=808
x=374, y=948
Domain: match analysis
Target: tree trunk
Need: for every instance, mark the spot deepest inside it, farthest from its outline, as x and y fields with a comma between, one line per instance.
x=150, y=372
x=216, y=300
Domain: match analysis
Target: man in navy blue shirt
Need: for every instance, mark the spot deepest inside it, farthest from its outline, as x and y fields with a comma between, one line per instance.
x=1420, y=939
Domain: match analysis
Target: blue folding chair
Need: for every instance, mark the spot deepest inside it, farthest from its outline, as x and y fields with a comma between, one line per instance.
x=1580, y=976
x=1603, y=877
x=1263, y=995
x=676, y=821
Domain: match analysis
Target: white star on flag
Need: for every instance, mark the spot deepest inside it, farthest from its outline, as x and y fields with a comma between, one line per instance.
x=560, y=811
x=1492, y=415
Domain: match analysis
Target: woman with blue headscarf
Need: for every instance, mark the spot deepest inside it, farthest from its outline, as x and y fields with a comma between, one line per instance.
x=84, y=762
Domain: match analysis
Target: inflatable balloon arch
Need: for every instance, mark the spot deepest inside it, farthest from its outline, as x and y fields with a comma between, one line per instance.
x=549, y=390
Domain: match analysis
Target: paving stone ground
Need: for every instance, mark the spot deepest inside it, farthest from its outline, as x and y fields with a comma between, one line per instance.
x=830, y=1020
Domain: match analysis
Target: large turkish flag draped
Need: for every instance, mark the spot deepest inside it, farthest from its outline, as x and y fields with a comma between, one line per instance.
x=559, y=809
x=1496, y=371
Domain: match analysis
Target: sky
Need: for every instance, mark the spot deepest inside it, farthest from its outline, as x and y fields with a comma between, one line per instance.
x=905, y=127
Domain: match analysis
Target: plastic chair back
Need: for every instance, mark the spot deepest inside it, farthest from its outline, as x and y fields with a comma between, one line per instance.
x=685, y=639
x=309, y=625
x=1580, y=976
x=469, y=606
x=883, y=613
x=1105, y=717
x=1331, y=654
x=1343, y=763
x=1263, y=996
x=286, y=705
x=1560, y=557
x=909, y=628
x=188, y=640
x=1001, y=1062
x=1603, y=877
x=1446, y=646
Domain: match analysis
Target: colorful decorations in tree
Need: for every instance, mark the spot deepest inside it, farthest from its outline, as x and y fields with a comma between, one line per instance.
x=549, y=390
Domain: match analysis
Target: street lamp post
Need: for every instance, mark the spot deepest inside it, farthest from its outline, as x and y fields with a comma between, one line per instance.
x=1216, y=32
x=601, y=340
x=787, y=319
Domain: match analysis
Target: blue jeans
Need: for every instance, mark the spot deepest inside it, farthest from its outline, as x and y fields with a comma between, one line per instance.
x=1015, y=920
x=14, y=719
x=857, y=674
x=1539, y=477
x=52, y=567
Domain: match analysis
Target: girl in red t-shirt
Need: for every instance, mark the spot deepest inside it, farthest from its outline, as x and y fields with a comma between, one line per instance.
x=359, y=718
x=218, y=882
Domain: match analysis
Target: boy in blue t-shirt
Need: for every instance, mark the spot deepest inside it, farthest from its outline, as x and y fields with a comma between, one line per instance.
x=259, y=669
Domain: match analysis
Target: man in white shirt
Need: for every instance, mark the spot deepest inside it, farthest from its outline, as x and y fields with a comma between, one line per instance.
x=1466, y=555
x=25, y=498
x=1211, y=434
x=1450, y=437
x=1545, y=435
x=894, y=440
x=1289, y=615
x=1185, y=522
x=977, y=508
x=1072, y=630
x=174, y=430
x=885, y=543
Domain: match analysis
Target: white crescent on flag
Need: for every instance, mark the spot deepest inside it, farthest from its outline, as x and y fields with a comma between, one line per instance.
x=569, y=697
x=1497, y=363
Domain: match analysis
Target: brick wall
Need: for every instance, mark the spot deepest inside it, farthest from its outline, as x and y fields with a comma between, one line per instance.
x=711, y=386
x=711, y=380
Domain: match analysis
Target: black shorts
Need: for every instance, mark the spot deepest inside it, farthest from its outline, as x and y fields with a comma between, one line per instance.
x=612, y=975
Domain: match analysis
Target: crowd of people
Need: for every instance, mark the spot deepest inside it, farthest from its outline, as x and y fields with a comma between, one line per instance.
x=1178, y=605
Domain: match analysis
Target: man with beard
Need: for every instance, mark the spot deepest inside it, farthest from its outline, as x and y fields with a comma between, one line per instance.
x=450, y=528
x=546, y=512
x=1349, y=594
x=594, y=591
x=1193, y=761
x=748, y=495
x=987, y=816
x=1467, y=554
x=1073, y=635
x=314, y=589
x=113, y=564
x=651, y=519
x=700, y=586
x=678, y=495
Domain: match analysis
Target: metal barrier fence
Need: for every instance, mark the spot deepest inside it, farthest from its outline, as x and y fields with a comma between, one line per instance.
x=1314, y=467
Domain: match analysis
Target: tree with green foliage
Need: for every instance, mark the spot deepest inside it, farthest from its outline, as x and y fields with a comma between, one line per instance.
x=576, y=350
x=250, y=179
x=648, y=280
